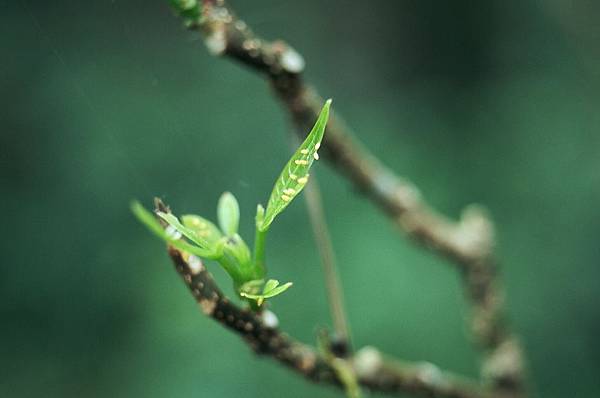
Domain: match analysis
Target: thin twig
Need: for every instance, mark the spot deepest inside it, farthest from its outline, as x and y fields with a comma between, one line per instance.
x=323, y=241
x=394, y=376
x=262, y=337
x=335, y=294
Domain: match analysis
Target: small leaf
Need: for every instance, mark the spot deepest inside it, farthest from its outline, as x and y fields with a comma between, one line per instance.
x=203, y=228
x=278, y=290
x=228, y=213
x=294, y=176
x=260, y=298
x=253, y=286
x=185, y=231
x=149, y=220
x=270, y=285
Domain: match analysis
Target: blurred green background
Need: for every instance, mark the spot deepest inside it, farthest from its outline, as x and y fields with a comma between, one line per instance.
x=494, y=102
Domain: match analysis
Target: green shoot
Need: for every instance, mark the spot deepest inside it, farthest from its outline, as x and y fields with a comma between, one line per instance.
x=295, y=175
x=150, y=221
x=270, y=289
x=203, y=228
x=196, y=235
x=185, y=231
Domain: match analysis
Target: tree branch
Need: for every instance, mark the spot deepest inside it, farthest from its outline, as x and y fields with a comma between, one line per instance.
x=316, y=214
x=468, y=242
x=266, y=339
x=394, y=376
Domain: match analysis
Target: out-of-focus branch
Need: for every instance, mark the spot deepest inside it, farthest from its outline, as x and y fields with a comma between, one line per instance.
x=468, y=242
x=394, y=376
x=260, y=331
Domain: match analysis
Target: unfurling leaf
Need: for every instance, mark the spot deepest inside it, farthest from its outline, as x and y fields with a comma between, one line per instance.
x=270, y=289
x=203, y=228
x=253, y=286
x=228, y=214
x=185, y=231
x=270, y=285
x=149, y=220
x=295, y=175
x=278, y=290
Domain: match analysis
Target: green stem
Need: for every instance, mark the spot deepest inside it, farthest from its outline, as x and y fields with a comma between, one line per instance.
x=229, y=264
x=260, y=240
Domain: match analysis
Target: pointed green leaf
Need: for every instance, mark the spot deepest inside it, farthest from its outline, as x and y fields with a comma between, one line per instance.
x=278, y=290
x=185, y=231
x=260, y=298
x=294, y=176
x=149, y=220
x=228, y=213
x=270, y=285
x=253, y=286
x=202, y=227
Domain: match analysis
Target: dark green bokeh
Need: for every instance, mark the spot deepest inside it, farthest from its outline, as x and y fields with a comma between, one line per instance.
x=493, y=102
